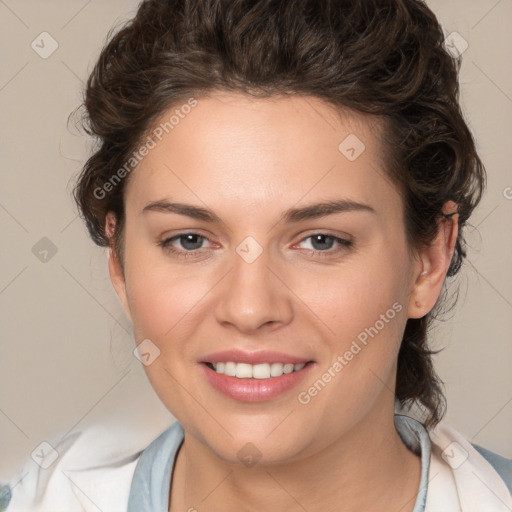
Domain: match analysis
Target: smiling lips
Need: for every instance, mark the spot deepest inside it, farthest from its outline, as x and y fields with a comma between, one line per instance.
x=254, y=377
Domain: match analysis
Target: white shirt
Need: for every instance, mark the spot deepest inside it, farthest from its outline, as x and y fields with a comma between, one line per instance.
x=96, y=473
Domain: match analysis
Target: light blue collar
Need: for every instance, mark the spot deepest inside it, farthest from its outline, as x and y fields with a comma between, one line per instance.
x=151, y=481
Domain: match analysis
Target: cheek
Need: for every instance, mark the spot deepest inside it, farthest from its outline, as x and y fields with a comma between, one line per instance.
x=351, y=297
x=166, y=305
x=159, y=294
x=363, y=313
x=163, y=302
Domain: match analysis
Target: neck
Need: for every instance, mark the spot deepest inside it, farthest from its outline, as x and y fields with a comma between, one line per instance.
x=368, y=465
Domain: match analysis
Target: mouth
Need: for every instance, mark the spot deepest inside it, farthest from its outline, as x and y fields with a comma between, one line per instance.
x=259, y=382
x=255, y=371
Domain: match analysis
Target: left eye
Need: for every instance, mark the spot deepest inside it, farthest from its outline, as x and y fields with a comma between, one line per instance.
x=319, y=240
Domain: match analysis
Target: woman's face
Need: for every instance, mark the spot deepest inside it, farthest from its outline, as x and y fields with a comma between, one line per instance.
x=265, y=274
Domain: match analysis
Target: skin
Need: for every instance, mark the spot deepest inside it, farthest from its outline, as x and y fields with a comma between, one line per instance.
x=249, y=160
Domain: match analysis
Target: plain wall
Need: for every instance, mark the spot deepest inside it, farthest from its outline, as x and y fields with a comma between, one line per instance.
x=66, y=358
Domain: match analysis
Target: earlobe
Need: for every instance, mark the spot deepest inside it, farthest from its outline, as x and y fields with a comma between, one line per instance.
x=114, y=266
x=434, y=262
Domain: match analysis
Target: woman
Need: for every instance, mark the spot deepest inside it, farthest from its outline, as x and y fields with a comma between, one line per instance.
x=283, y=189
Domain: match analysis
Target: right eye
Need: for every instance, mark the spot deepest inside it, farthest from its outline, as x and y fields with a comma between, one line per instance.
x=186, y=240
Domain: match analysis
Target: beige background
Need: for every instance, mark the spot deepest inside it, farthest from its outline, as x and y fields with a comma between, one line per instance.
x=66, y=357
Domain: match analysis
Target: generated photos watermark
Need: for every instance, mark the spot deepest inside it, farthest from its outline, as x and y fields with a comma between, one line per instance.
x=361, y=341
x=150, y=143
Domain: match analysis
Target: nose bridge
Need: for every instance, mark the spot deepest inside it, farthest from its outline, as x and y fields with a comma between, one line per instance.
x=252, y=296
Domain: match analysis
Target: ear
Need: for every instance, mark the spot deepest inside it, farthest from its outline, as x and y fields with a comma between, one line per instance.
x=433, y=264
x=114, y=265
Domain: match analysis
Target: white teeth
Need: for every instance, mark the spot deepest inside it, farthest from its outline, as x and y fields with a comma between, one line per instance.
x=288, y=368
x=230, y=369
x=276, y=369
x=256, y=371
x=243, y=371
x=261, y=371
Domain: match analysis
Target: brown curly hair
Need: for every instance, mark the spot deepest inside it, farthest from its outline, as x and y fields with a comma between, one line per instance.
x=384, y=58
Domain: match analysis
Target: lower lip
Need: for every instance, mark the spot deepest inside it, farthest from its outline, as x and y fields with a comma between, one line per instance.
x=254, y=390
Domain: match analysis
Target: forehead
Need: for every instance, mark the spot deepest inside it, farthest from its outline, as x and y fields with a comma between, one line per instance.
x=232, y=148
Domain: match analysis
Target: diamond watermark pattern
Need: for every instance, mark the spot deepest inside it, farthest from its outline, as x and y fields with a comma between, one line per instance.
x=44, y=250
x=44, y=45
x=44, y=455
x=455, y=44
x=351, y=147
x=249, y=455
x=454, y=454
x=146, y=352
x=249, y=250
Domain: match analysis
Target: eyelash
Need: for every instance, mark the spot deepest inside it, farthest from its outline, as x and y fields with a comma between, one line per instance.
x=166, y=245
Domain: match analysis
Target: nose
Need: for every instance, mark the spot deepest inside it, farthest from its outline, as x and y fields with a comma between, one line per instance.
x=254, y=296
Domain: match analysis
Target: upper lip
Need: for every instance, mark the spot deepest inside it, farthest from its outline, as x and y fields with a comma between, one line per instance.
x=263, y=356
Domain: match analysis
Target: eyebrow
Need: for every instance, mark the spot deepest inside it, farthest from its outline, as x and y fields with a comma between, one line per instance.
x=292, y=215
